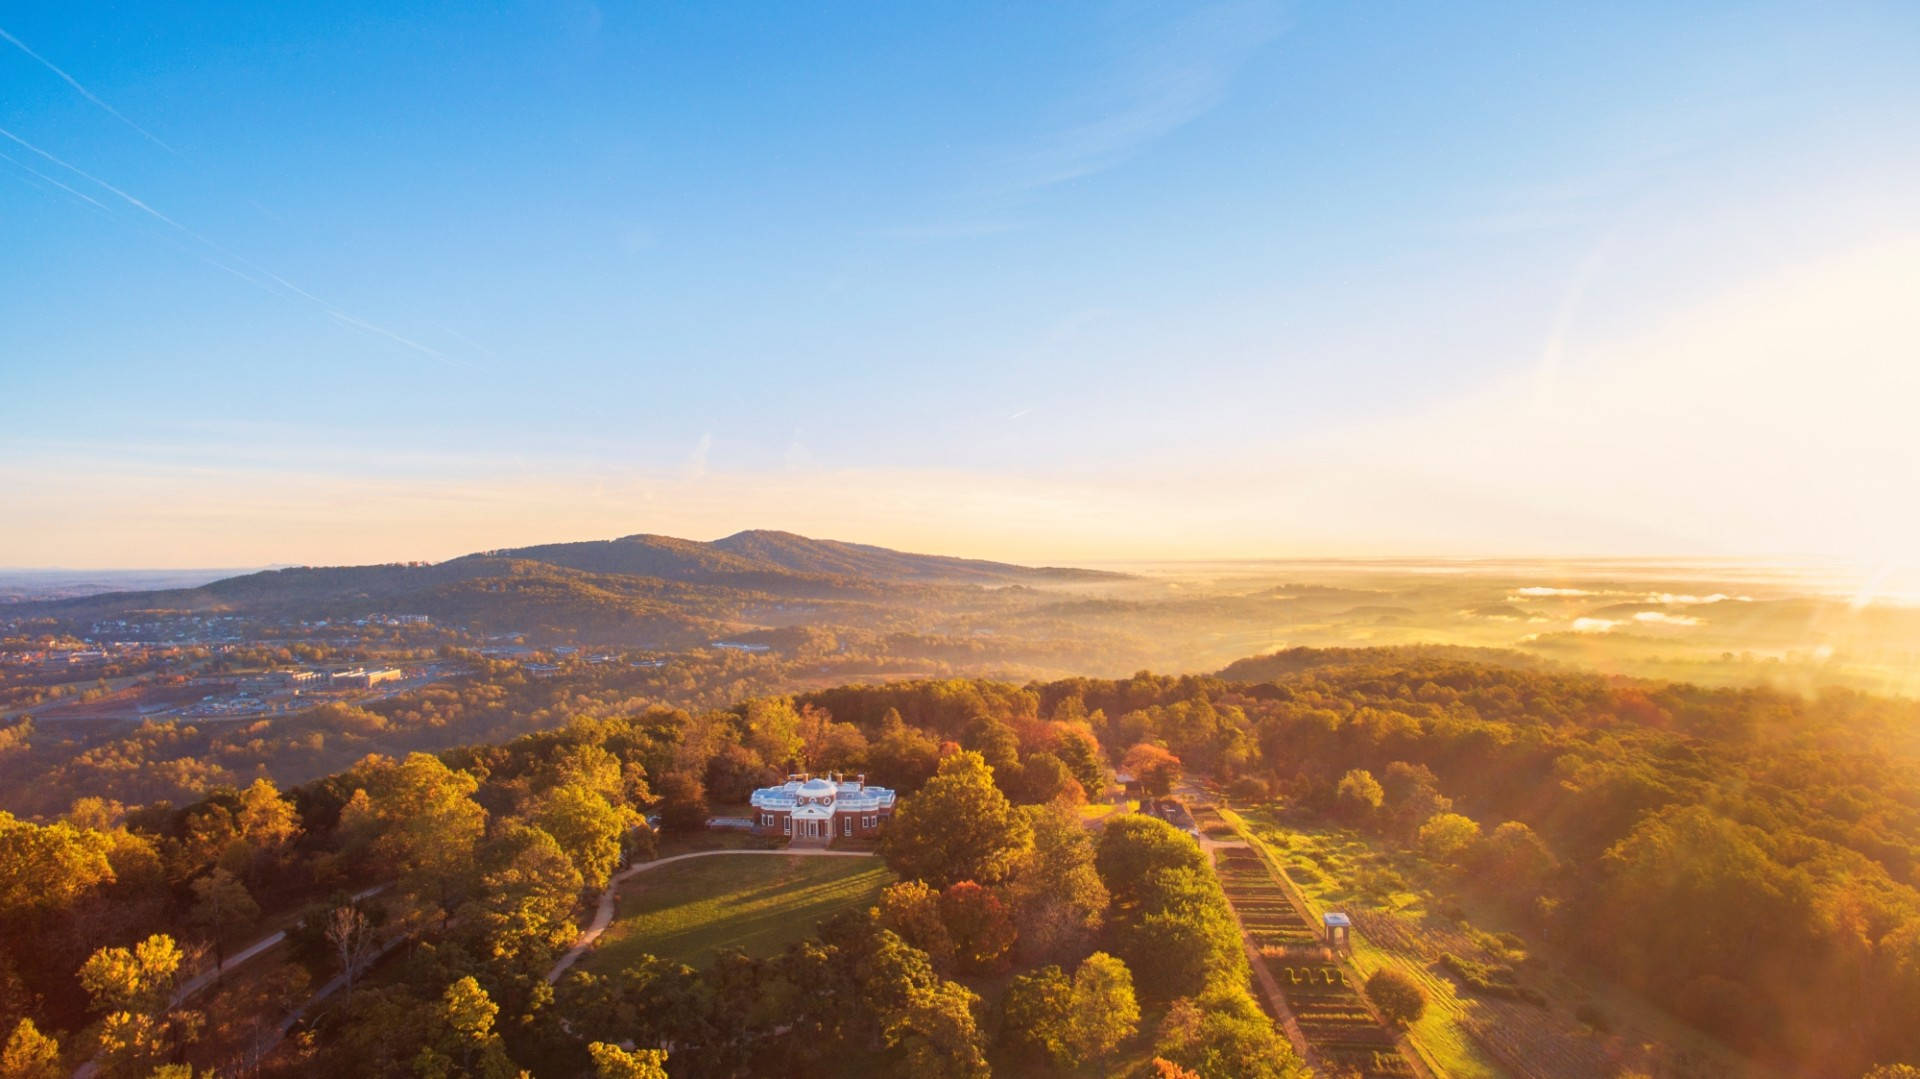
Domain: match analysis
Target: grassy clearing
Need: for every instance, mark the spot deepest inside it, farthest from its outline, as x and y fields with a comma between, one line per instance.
x=690, y=911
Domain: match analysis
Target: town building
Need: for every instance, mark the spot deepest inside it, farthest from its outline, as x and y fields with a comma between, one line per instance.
x=822, y=808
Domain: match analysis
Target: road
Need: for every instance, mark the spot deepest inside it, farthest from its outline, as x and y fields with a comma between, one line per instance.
x=603, y=913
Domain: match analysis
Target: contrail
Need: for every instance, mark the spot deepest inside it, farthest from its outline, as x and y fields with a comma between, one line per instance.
x=30, y=170
x=342, y=316
x=84, y=92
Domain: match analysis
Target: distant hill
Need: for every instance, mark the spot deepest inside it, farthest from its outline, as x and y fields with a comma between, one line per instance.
x=761, y=558
x=644, y=587
x=803, y=555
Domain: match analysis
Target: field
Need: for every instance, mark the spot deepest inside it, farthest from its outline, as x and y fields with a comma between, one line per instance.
x=690, y=911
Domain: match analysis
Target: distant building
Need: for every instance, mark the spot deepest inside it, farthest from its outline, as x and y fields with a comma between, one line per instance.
x=300, y=679
x=364, y=677
x=822, y=808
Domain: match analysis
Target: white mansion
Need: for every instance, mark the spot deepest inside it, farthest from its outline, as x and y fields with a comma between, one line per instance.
x=822, y=808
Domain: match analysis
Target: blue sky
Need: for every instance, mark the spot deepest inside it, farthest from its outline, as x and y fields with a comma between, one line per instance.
x=343, y=282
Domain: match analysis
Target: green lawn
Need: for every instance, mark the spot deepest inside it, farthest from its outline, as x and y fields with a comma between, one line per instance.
x=689, y=911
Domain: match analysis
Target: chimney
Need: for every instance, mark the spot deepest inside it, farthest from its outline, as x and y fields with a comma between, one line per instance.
x=861, y=781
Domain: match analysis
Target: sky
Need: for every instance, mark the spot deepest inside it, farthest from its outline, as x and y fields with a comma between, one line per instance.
x=368, y=282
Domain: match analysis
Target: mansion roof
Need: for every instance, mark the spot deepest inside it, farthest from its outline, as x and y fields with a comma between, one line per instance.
x=822, y=796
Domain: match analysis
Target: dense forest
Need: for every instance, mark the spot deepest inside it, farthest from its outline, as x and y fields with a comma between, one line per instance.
x=1745, y=858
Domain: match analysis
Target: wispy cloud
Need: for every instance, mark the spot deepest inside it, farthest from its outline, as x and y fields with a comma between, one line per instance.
x=1156, y=87
x=83, y=91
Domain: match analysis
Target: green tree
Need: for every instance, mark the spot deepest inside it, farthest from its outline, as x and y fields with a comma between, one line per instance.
x=1080, y=752
x=30, y=1054
x=1104, y=1012
x=1399, y=998
x=1037, y=1015
x=1223, y=1034
x=958, y=827
x=522, y=914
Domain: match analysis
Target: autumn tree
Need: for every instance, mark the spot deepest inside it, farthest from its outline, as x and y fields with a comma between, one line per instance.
x=612, y=1062
x=352, y=936
x=1359, y=795
x=587, y=827
x=912, y=909
x=1153, y=767
x=979, y=924
x=461, y=1040
x=1058, y=899
x=425, y=826
x=29, y=1054
x=683, y=802
x=132, y=989
x=224, y=908
x=958, y=827
x=1449, y=838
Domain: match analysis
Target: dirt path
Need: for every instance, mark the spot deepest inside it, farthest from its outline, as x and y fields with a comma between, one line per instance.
x=603, y=913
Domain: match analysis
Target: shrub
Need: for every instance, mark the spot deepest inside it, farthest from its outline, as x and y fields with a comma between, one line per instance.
x=1399, y=998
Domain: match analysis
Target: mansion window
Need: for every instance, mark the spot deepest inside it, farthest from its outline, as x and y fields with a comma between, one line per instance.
x=846, y=826
x=867, y=823
x=789, y=825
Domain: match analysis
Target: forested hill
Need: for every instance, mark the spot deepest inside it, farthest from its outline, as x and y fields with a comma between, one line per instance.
x=636, y=580
x=777, y=554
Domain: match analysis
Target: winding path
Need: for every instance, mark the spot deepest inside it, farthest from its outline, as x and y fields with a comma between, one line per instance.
x=603, y=914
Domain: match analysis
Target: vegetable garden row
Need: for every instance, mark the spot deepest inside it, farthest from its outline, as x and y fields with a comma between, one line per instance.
x=1336, y=1022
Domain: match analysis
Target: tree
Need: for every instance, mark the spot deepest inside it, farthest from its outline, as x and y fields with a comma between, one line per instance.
x=937, y=1030
x=1400, y=999
x=1359, y=795
x=912, y=909
x=1080, y=752
x=223, y=907
x=1058, y=899
x=522, y=914
x=1449, y=838
x=462, y=1040
x=1133, y=847
x=1223, y=1034
x=683, y=802
x=1153, y=767
x=613, y=1062
x=587, y=827
x=980, y=926
x=1037, y=1015
x=132, y=989
x=1046, y=777
x=352, y=937
x=958, y=827
x=425, y=826
x=30, y=1054
x=1103, y=1011
x=1515, y=860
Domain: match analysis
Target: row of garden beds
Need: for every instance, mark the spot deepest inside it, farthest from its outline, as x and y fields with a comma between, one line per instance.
x=1337, y=1024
